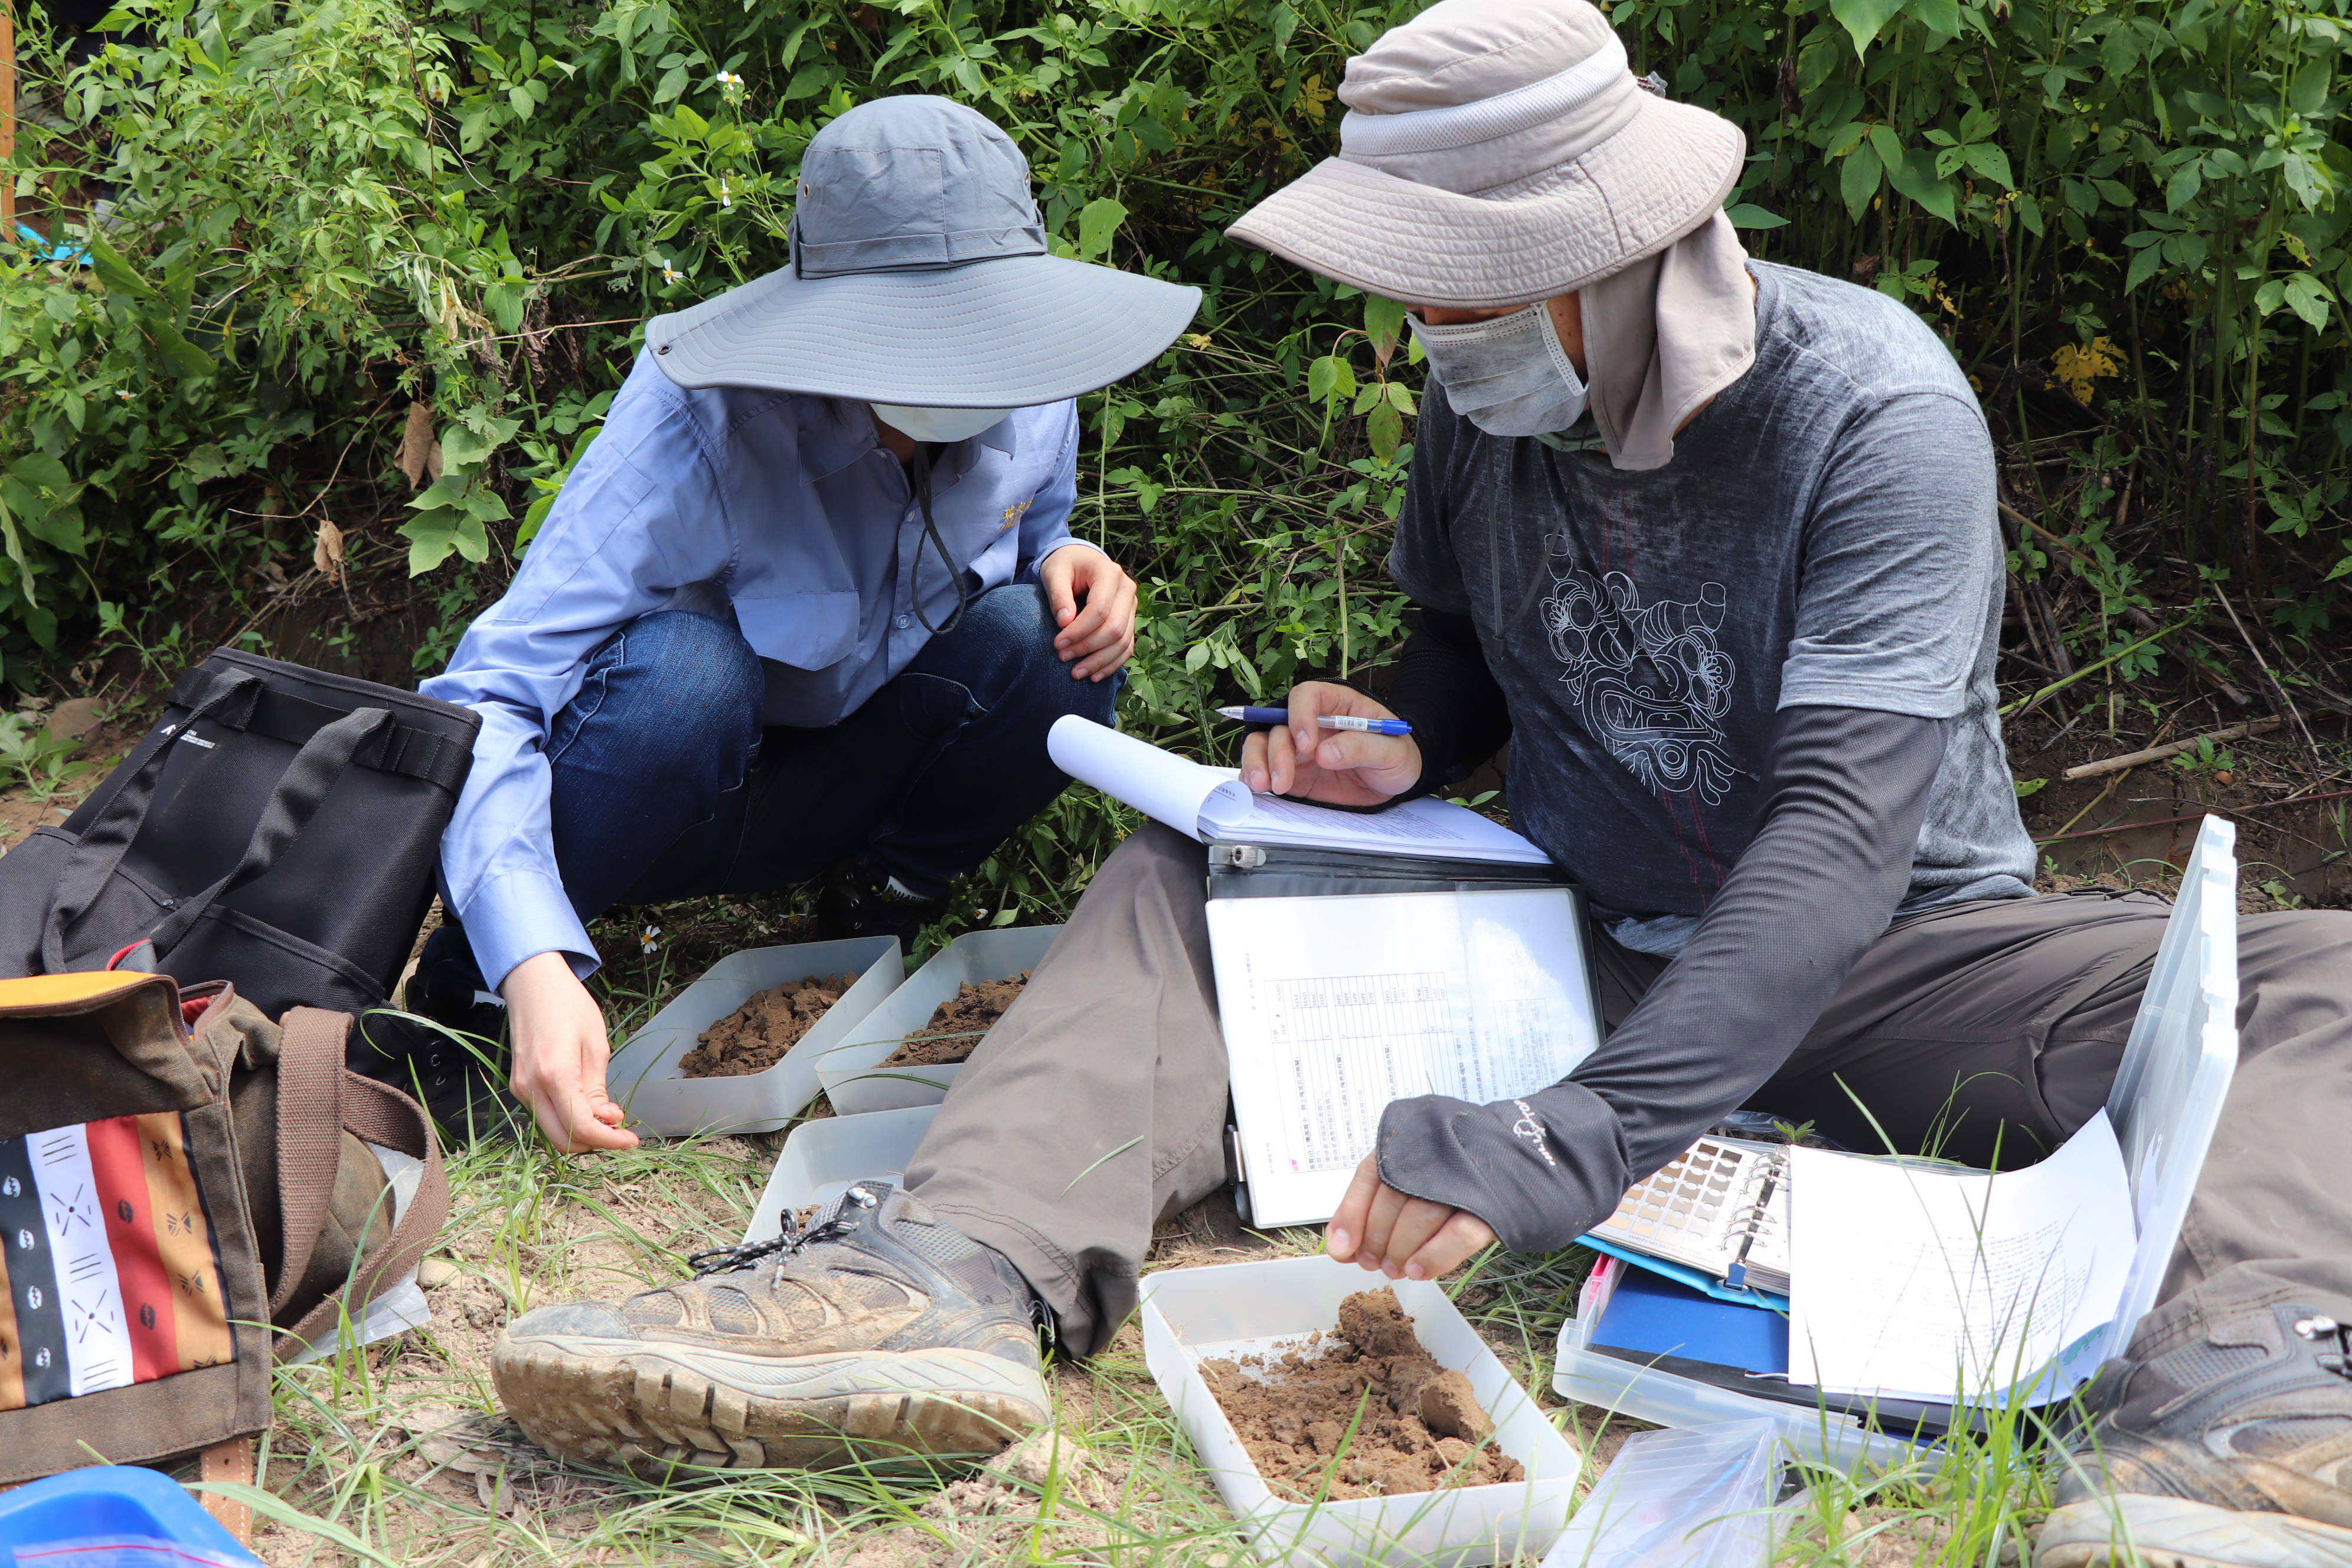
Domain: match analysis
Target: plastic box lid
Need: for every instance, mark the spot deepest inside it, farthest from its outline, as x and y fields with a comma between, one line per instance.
x=644, y=1077
x=1697, y=1497
x=2166, y=1101
x=144, y=1516
x=845, y=1071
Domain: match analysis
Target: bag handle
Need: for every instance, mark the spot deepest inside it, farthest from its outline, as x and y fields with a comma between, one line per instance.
x=295, y=798
x=99, y=851
x=379, y=1113
x=301, y=791
x=310, y=1135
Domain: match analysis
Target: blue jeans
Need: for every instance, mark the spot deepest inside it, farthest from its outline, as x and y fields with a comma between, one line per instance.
x=666, y=785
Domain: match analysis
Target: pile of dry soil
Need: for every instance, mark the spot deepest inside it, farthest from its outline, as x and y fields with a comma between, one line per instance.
x=755, y=1036
x=958, y=1023
x=1419, y=1431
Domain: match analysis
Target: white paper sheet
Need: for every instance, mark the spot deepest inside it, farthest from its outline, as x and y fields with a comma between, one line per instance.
x=1334, y=1007
x=1159, y=784
x=1924, y=1284
x=1204, y=803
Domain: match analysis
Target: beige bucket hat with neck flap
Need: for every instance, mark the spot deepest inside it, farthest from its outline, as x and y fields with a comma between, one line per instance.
x=1497, y=152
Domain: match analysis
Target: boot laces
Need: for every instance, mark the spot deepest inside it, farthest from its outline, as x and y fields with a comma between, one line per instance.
x=2321, y=1330
x=839, y=1218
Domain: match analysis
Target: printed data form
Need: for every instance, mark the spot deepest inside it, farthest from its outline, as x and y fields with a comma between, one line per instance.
x=1928, y=1285
x=1334, y=1007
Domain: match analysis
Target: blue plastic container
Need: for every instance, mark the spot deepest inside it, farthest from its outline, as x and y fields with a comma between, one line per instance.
x=115, y=1516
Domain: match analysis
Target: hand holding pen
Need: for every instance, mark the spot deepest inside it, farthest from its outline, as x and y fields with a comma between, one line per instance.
x=1338, y=763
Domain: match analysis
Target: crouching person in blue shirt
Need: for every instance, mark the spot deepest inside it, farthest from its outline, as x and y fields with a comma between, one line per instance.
x=810, y=603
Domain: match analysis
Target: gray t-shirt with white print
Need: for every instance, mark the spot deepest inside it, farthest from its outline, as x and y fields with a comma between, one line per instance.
x=1823, y=535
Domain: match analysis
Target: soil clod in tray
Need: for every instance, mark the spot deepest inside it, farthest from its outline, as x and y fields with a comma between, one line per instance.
x=1421, y=1428
x=755, y=1036
x=957, y=1024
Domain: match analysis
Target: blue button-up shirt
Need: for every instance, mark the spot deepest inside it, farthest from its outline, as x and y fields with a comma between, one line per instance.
x=782, y=509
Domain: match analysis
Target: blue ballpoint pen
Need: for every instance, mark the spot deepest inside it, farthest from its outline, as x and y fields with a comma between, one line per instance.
x=1323, y=721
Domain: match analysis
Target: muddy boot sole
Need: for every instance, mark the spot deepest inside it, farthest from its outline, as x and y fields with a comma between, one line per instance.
x=625, y=1404
x=2129, y=1529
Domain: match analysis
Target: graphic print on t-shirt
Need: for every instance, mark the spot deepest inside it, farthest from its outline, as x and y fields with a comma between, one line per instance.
x=108, y=1274
x=1651, y=682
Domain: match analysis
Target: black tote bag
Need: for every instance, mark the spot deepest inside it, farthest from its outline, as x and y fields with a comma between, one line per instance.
x=278, y=828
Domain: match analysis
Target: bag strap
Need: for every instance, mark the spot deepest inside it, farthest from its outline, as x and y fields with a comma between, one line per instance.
x=310, y=1135
x=298, y=793
x=403, y=748
x=230, y=1461
x=380, y=1113
x=99, y=851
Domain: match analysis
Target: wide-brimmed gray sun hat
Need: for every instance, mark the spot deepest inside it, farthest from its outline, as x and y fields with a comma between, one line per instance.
x=1496, y=152
x=919, y=276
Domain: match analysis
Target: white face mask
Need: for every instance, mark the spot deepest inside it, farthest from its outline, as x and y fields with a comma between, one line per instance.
x=937, y=424
x=1508, y=376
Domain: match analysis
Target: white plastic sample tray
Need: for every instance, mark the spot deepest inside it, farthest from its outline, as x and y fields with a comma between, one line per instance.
x=851, y=1074
x=824, y=1156
x=2165, y=1103
x=643, y=1076
x=1190, y=1315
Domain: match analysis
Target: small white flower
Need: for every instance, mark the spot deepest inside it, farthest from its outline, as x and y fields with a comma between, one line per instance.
x=729, y=78
x=725, y=200
x=120, y=394
x=650, y=938
x=669, y=274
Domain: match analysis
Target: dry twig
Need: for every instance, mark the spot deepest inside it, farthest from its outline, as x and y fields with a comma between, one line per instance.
x=2172, y=749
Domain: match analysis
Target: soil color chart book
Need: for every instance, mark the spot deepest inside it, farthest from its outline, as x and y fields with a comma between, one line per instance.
x=1335, y=1006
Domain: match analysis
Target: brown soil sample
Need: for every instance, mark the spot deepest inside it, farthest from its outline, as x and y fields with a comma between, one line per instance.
x=755, y=1036
x=1420, y=1425
x=958, y=1023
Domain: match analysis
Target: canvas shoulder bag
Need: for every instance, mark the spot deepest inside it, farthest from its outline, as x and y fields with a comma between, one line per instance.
x=186, y=1196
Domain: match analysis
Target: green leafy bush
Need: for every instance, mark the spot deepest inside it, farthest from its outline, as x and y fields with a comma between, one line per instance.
x=2128, y=219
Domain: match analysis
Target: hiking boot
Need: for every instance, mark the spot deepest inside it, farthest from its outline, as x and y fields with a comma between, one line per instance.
x=462, y=1083
x=879, y=1332
x=861, y=899
x=2235, y=1451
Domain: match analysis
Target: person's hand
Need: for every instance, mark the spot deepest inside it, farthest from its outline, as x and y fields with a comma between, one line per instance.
x=1343, y=767
x=560, y=1052
x=1380, y=1229
x=1099, y=633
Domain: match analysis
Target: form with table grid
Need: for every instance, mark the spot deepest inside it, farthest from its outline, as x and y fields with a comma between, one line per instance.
x=1333, y=1007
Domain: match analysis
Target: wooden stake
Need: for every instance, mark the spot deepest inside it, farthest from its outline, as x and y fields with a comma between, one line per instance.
x=7, y=118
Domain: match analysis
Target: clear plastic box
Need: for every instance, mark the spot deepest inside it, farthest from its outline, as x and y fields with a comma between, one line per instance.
x=2165, y=1104
x=847, y=1073
x=1697, y=1497
x=1246, y=1309
x=643, y=1076
x=822, y=1157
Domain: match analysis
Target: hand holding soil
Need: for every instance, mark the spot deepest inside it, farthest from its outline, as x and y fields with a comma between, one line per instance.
x=1419, y=1429
x=755, y=1036
x=958, y=1023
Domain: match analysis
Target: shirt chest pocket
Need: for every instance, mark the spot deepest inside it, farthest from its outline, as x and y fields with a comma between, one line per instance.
x=807, y=631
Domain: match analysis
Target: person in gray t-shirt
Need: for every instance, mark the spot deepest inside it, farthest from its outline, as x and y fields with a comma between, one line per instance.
x=1712, y=544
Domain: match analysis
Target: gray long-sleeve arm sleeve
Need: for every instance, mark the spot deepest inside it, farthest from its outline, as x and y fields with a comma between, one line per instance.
x=1846, y=791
